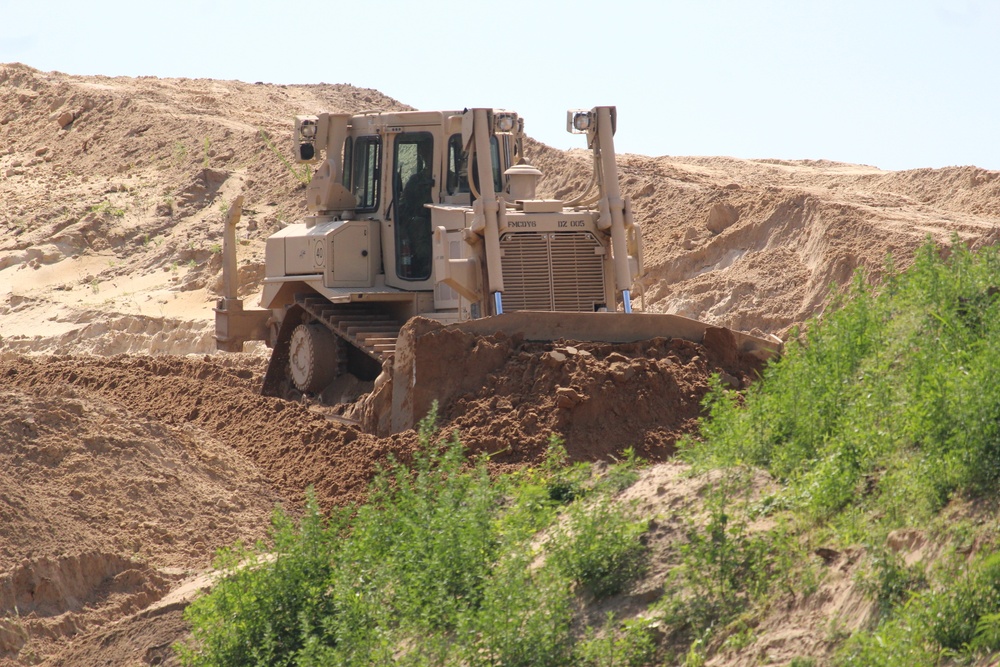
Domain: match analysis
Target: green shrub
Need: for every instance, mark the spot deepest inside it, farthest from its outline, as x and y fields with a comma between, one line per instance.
x=441, y=566
x=890, y=581
x=628, y=644
x=887, y=402
x=599, y=547
x=254, y=613
x=955, y=620
x=524, y=620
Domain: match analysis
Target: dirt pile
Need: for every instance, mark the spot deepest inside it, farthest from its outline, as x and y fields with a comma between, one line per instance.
x=104, y=510
x=507, y=396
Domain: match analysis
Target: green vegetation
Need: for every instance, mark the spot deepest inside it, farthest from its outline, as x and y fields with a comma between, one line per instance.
x=884, y=412
x=727, y=571
x=106, y=208
x=887, y=407
x=440, y=566
x=180, y=153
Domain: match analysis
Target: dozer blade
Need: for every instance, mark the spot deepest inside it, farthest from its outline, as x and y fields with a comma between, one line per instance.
x=421, y=372
x=610, y=328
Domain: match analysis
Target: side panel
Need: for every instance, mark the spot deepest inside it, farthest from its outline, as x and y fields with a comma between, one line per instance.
x=446, y=298
x=305, y=252
x=354, y=250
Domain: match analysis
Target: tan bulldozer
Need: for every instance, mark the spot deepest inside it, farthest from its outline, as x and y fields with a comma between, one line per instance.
x=435, y=215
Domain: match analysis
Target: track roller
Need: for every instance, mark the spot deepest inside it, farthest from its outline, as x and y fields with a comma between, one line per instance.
x=314, y=357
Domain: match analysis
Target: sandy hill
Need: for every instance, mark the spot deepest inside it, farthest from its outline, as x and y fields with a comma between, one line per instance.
x=123, y=472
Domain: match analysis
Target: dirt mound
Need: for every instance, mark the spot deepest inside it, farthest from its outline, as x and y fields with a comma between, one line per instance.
x=82, y=472
x=599, y=398
x=103, y=510
x=792, y=230
x=114, y=191
x=507, y=396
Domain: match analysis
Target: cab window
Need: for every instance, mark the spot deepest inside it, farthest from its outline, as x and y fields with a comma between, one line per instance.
x=366, y=172
x=458, y=166
x=413, y=188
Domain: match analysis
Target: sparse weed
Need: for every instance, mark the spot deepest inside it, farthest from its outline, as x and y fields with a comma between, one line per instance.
x=180, y=153
x=106, y=208
x=303, y=174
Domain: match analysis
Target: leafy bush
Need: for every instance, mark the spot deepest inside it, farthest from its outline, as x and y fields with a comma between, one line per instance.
x=442, y=566
x=886, y=403
x=628, y=644
x=891, y=582
x=524, y=620
x=254, y=613
x=954, y=620
x=725, y=567
x=599, y=547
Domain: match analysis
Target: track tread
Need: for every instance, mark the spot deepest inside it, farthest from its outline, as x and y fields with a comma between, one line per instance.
x=358, y=325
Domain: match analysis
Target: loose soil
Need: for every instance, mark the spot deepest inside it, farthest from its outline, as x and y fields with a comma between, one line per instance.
x=131, y=450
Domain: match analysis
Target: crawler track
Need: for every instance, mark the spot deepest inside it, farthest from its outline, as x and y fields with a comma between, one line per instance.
x=368, y=334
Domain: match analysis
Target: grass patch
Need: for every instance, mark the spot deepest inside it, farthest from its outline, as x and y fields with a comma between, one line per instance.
x=106, y=208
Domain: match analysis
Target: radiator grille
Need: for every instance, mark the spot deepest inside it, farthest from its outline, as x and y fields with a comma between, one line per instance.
x=553, y=272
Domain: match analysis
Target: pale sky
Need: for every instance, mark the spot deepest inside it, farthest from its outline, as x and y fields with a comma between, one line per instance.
x=897, y=84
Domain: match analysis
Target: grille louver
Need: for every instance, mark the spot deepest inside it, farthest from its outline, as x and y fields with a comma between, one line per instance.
x=552, y=272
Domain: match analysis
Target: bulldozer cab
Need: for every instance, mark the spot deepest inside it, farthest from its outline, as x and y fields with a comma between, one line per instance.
x=395, y=166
